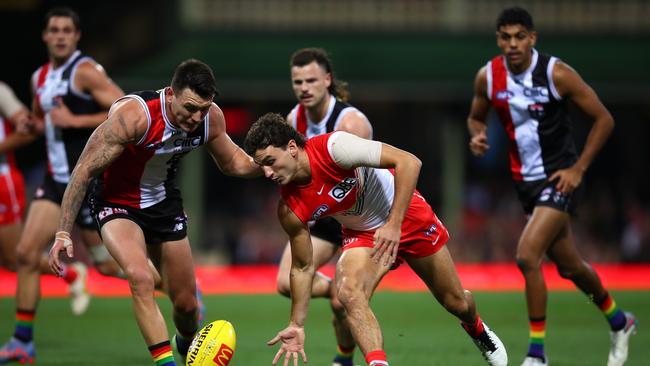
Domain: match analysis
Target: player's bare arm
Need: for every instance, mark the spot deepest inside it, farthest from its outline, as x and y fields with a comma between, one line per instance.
x=126, y=124
x=571, y=86
x=301, y=278
x=357, y=124
x=229, y=157
x=350, y=151
x=90, y=78
x=476, y=121
x=407, y=170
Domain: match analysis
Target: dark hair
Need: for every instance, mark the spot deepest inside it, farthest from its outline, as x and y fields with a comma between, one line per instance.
x=515, y=15
x=195, y=75
x=271, y=129
x=305, y=56
x=64, y=12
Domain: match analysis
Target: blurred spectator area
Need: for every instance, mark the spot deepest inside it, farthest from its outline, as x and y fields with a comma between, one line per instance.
x=583, y=16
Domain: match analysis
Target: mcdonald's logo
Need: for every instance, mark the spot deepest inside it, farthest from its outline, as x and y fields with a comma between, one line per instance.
x=223, y=356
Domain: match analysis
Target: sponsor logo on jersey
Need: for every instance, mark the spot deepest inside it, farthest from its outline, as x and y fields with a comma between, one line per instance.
x=536, y=111
x=319, y=211
x=223, y=356
x=188, y=142
x=504, y=94
x=341, y=190
x=536, y=92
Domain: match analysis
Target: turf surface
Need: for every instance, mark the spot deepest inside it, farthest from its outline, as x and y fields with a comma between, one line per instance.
x=417, y=330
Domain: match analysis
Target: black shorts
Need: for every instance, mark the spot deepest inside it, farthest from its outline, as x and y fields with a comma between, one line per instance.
x=543, y=193
x=327, y=229
x=52, y=190
x=164, y=221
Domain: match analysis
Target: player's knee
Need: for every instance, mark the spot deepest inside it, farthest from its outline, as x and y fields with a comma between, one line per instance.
x=284, y=288
x=349, y=295
x=527, y=263
x=185, y=303
x=337, y=307
x=141, y=281
x=27, y=257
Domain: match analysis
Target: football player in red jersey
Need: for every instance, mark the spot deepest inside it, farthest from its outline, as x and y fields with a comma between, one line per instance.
x=385, y=222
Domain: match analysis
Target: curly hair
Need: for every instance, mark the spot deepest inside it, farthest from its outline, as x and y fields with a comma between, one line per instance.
x=515, y=15
x=271, y=129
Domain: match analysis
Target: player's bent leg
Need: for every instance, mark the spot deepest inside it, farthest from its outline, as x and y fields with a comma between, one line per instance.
x=357, y=277
x=177, y=270
x=438, y=272
x=571, y=266
x=125, y=242
x=323, y=252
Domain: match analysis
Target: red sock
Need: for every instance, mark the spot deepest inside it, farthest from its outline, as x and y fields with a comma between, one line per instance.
x=474, y=329
x=69, y=274
x=376, y=358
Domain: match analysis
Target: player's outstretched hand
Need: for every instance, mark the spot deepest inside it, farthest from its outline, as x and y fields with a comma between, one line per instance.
x=293, y=343
x=62, y=242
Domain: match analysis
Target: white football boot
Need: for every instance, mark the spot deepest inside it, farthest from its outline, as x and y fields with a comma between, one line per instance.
x=534, y=361
x=620, y=341
x=491, y=347
x=79, y=296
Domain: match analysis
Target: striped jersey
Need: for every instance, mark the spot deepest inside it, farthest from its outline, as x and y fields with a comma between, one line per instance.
x=335, y=112
x=360, y=199
x=64, y=145
x=145, y=173
x=534, y=116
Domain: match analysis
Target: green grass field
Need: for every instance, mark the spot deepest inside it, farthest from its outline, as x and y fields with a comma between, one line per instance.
x=417, y=330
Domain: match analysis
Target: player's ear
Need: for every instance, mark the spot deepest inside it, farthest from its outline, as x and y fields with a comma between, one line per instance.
x=533, y=38
x=293, y=148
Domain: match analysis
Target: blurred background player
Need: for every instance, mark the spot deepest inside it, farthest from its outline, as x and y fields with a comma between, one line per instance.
x=72, y=95
x=529, y=92
x=385, y=222
x=136, y=154
x=12, y=186
x=322, y=108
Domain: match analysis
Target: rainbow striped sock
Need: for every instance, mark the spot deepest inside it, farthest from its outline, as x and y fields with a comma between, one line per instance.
x=344, y=355
x=537, y=335
x=612, y=312
x=24, y=325
x=162, y=354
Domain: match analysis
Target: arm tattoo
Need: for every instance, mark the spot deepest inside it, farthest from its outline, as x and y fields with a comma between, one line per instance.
x=103, y=147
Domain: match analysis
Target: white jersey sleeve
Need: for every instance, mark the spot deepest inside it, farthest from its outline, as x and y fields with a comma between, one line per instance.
x=351, y=151
x=9, y=103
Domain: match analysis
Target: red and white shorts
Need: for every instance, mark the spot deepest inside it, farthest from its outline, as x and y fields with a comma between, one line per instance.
x=12, y=197
x=423, y=234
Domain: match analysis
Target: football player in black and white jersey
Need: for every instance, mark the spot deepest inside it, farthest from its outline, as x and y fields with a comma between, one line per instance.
x=72, y=94
x=322, y=108
x=529, y=91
